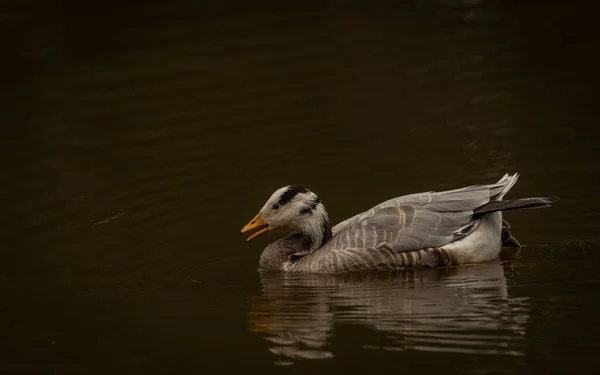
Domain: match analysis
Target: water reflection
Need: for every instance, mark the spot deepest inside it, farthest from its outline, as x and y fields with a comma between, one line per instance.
x=463, y=310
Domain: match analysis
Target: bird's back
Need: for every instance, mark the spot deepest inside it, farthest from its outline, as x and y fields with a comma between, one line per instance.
x=424, y=229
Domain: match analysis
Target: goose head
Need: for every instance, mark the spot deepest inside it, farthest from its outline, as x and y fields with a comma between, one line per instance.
x=296, y=209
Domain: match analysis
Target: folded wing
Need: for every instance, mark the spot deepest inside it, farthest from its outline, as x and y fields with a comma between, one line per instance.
x=417, y=221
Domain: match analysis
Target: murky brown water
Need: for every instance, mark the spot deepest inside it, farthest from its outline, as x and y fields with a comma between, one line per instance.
x=137, y=141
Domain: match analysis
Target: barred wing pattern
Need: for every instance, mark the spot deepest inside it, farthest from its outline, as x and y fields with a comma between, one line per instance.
x=463, y=199
x=404, y=228
x=408, y=230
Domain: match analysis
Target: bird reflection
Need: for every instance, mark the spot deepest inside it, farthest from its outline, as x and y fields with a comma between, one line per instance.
x=463, y=309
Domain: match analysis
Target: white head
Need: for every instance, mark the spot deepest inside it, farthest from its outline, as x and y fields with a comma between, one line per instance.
x=293, y=208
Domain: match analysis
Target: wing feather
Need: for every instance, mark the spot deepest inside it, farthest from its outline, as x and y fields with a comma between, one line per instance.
x=464, y=199
x=413, y=222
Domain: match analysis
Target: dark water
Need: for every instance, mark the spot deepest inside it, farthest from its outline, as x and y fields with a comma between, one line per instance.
x=137, y=140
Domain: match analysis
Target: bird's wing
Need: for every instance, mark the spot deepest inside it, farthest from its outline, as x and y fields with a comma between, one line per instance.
x=458, y=200
x=417, y=221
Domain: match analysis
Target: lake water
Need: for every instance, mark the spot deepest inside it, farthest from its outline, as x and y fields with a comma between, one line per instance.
x=138, y=140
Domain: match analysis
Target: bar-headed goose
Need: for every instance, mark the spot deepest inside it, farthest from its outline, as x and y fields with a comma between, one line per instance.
x=419, y=230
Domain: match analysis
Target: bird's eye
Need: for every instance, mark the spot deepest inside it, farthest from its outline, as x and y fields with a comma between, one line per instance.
x=275, y=206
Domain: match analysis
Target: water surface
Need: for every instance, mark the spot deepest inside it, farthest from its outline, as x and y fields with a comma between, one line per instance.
x=137, y=142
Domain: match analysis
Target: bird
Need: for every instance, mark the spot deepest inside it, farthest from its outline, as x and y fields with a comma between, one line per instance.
x=429, y=229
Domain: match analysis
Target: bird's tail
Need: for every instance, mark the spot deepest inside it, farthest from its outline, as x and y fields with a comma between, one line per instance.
x=535, y=202
x=499, y=191
x=506, y=182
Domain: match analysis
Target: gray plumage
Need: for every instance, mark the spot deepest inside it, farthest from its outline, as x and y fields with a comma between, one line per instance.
x=427, y=229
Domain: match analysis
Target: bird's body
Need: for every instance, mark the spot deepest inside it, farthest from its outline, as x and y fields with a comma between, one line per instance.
x=419, y=230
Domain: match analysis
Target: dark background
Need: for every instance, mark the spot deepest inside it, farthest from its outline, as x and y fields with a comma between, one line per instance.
x=138, y=138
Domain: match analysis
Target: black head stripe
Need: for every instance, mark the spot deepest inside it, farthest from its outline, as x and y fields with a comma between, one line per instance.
x=311, y=207
x=290, y=193
x=306, y=211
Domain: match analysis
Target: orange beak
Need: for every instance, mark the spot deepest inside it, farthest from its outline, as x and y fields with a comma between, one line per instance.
x=257, y=222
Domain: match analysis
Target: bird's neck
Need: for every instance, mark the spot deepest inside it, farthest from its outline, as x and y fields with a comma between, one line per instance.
x=311, y=233
x=316, y=228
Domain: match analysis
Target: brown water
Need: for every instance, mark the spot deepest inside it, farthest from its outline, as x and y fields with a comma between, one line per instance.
x=138, y=140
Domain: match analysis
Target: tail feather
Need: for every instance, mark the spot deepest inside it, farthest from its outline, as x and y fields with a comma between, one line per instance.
x=536, y=202
x=508, y=181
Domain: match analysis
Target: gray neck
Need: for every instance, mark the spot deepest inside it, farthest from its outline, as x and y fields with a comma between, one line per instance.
x=281, y=252
x=290, y=249
x=312, y=232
